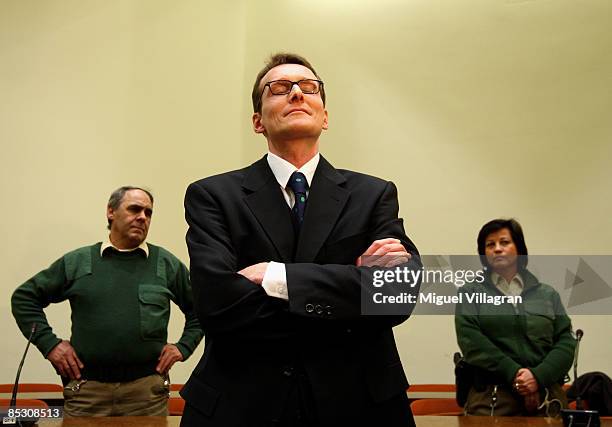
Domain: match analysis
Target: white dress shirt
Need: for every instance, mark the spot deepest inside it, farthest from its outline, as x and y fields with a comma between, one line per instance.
x=275, y=278
x=512, y=288
x=108, y=244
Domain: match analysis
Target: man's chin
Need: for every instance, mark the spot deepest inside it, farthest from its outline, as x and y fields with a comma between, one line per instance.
x=137, y=238
x=300, y=129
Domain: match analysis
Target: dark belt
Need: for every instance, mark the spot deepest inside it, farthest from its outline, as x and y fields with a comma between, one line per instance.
x=483, y=378
x=118, y=373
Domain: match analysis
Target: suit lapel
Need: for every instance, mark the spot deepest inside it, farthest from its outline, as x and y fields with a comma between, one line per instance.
x=325, y=203
x=265, y=200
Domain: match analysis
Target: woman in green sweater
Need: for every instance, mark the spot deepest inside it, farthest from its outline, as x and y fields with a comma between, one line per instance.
x=520, y=352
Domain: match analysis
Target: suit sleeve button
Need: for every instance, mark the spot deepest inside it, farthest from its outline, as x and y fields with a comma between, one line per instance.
x=309, y=308
x=318, y=309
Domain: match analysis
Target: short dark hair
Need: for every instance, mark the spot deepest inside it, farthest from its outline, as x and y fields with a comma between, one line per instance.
x=274, y=61
x=516, y=232
x=116, y=198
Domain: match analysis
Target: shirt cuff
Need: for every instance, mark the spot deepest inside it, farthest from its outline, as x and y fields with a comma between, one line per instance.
x=275, y=280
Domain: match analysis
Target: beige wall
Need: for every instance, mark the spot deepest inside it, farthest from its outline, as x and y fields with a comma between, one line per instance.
x=474, y=108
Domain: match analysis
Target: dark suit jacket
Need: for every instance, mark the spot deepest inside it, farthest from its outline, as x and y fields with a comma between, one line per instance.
x=257, y=345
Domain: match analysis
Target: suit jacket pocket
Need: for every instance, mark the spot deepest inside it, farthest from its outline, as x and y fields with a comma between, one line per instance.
x=200, y=395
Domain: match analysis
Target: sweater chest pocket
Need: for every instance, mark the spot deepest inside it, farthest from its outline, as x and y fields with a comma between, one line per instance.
x=540, y=320
x=154, y=304
x=540, y=329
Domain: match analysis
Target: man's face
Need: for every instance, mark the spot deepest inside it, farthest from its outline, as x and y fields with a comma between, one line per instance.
x=290, y=116
x=131, y=219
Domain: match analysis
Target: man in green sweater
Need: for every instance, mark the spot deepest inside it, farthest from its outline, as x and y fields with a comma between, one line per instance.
x=118, y=358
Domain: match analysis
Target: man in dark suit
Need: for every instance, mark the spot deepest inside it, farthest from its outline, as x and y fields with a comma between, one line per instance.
x=278, y=273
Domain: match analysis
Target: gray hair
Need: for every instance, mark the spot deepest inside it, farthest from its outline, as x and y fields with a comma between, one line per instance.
x=116, y=198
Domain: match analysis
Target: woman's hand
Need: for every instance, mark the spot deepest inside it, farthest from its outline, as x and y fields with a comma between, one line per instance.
x=524, y=382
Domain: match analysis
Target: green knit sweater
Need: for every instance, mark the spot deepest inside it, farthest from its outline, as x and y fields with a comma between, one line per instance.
x=120, y=305
x=537, y=334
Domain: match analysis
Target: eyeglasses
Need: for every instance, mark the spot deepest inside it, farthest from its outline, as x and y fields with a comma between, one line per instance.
x=553, y=406
x=283, y=87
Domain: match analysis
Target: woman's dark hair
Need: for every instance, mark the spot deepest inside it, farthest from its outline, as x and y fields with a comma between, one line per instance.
x=517, y=237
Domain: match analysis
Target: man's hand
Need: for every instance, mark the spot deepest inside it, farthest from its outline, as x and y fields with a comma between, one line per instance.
x=532, y=401
x=384, y=253
x=65, y=360
x=255, y=273
x=524, y=382
x=170, y=354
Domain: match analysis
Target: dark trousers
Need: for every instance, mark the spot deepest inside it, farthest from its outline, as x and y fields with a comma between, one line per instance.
x=299, y=410
x=508, y=403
